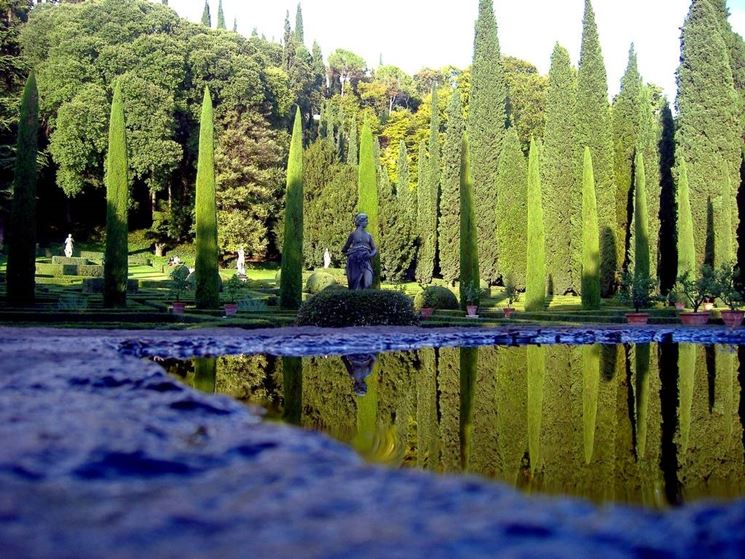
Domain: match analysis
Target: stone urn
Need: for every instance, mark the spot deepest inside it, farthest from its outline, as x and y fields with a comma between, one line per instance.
x=508, y=311
x=231, y=309
x=637, y=317
x=178, y=307
x=694, y=318
x=427, y=311
x=732, y=319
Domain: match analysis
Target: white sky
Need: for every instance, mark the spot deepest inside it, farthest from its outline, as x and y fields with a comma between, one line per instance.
x=414, y=34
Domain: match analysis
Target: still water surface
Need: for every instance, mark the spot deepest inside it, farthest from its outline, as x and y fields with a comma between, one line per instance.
x=651, y=424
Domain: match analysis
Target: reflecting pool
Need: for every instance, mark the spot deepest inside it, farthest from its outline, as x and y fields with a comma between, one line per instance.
x=651, y=424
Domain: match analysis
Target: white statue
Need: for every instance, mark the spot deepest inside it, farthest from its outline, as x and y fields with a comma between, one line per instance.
x=68, y=246
x=326, y=259
x=241, y=264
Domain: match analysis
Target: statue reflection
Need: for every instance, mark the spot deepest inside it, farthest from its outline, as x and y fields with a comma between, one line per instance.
x=359, y=366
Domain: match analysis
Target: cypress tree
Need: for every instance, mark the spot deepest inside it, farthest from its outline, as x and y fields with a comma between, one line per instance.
x=21, y=266
x=368, y=193
x=396, y=245
x=117, y=201
x=235, y=25
x=641, y=221
x=709, y=110
x=512, y=206
x=594, y=131
x=650, y=141
x=486, y=126
x=352, y=148
x=207, y=294
x=299, y=33
x=421, y=205
x=590, y=237
x=668, y=255
x=291, y=279
x=563, y=196
x=220, y=16
x=535, y=289
x=686, y=243
x=406, y=214
x=469, y=250
x=426, y=262
x=449, y=237
x=206, y=18
x=724, y=252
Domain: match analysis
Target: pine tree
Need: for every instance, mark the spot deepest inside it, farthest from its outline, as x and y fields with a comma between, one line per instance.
x=291, y=279
x=206, y=18
x=469, y=255
x=449, y=225
x=686, y=242
x=352, y=149
x=117, y=200
x=207, y=295
x=422, y=205
x=220, y=16
x=299, y=33
x=21, y=265
x=535, y=290
x=368, y=193
x=485, y=126
x=562, y=192
x=512, y=207
x=641, y=220
x=426, y=262
x=594, y=131
x=709, y=126
x=590, y=237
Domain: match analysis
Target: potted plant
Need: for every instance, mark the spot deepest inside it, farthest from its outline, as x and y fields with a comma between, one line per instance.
x=470, y=296
x=512, y=295
x=637, y=292
x=675, y=298
x=695, y=292
x=233, y=288
x=179, y=283
x=730, y=294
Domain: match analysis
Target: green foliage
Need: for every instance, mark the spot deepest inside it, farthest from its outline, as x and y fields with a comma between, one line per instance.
x=636, y=290
x=594, y=130
x=724, y=251
x=469, y=248
x=510, y=292
x=449, y=235
x=727, y=285
x=299, y=32
x=318, y=281
x=220, y=16
x=512, y=209
x=485, y=126
x=686, y=240
x=535, y=281
x=651, y=144
x=207, y=294
x=697, y=290
x=422, y=205
x=234, y=288
x=428, y=200
x=345, y=68
x=641, y=221
x=352, y=148
x=206, y=18
x=337, y=308
x=562, y=191
x=590, y=237
x=117, y=202
x=291, y=282
x=526, y=98
x=367, y=201
x=436, y=297
x=179, y=280
x=22, y=226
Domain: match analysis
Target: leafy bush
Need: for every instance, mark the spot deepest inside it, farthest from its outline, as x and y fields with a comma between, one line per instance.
x=49, y=269
x=90, y=271
x=727, y=290
x=367, y=307
x=699, y=289
x=73, y=260
x=318, y=281
x=436, y=297
x=636, y=291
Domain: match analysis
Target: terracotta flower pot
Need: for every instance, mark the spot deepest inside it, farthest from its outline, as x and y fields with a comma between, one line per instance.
x=694, y=318
x=732, y=319
x=637, y=317
x=679, y=306
x=231, y=309
x=508, y=311
x=427, y=312
x=178, y=307
x=471, y=310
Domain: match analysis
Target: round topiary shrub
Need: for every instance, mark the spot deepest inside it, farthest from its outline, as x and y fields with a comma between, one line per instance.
x=436, y=297
x=368, y=307
x=318, y=281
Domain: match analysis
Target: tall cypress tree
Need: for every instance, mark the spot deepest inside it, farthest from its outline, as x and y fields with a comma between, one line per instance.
x=709, y=126
x=486, y=126
x=686, y=243
x=469, y=249
x=590, y=237
x=207, y=294
x=407, y=211
x=21, y=266
x=396, y=244
x=291, y=279
x=368, y=193
x=235, y=25
x=668, y=254
x=641, y=221
x=562, y=192
x=352, y=148
x=650, y=142
x=724, y=252
x=535, y=289
x=206, y=18
x=428, y=199
x=117, y=201
x=449, y=225
x=512, y=206
x=594, y=131
x=220, y=16
x=299, y=33
x=422, y=204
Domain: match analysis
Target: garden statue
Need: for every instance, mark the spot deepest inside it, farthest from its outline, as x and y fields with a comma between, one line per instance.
x=360, y=249
x=326, y=259
x=359, y=366
x=241, y=264
x=68, y=246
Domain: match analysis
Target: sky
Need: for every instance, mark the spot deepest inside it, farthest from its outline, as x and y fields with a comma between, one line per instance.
x=414, y=34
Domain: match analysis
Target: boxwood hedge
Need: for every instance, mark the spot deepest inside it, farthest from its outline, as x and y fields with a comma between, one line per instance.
x=367, y=307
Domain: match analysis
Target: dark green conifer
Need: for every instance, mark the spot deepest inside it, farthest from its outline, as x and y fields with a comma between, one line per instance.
x=535, y=288
x=426, y=261
x=449, y=224
x=220, y=16
x=235, y=25
x=21, y=265
x=594, y=130
x=724, y=252
x=299, y=33
x=352, y=149
x=207, y=295
x=291, y=279
x=486, y=126
x=686, y=242
x=407, y=212
x=368, y=193
x=422, y=205
x=469, y=255
x=117, y=202
x=512, y=207
x=641, y=221
x=590, y=237
x=650, y=140
x=206, y=18
x=563, y=193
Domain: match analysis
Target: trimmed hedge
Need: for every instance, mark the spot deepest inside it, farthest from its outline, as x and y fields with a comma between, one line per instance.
x=48, y=269
x=95, y=285
x=367, y=307
x=436, y=297
x=90, y=271
x=139, y=260
x=73, y=260
x=60, y=269
x=318, y=281
x=92, y=255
